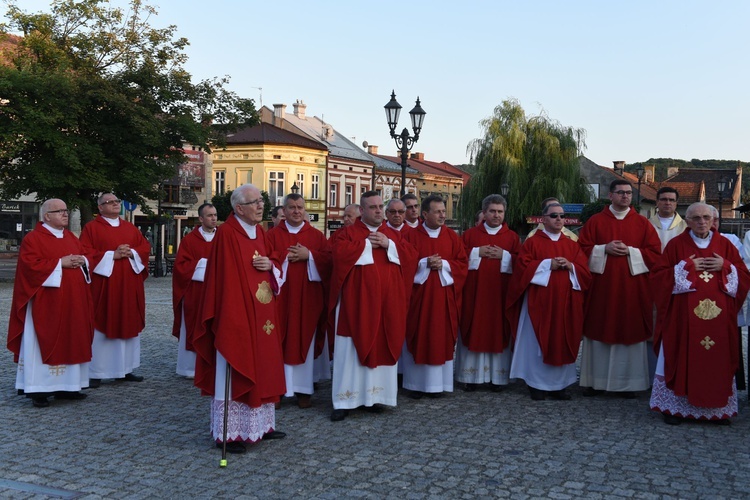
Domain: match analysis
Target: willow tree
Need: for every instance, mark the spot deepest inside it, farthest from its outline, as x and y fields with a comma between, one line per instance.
x=536, y=156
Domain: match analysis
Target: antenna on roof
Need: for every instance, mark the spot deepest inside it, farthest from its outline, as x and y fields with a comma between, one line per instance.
x=261, y=94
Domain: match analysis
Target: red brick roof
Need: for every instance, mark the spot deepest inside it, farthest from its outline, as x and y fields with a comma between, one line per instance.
x=690, y=192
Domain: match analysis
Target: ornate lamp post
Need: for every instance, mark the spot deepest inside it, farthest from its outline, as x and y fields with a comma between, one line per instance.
x=639, y=172
x=295, y=188
x=723, y=185
x=504, y=189
x=404, y=141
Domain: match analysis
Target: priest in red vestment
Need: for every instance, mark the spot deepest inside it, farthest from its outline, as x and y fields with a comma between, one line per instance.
x=51, y=316
x=483, y=349
x=411, y=205
x=372, y=271
x=622, y=246
x=188, y=274
x=239, y=328
x=119, y=269
x=700, y=283
x=432, y=321
x=545, y=304
x=305, y=258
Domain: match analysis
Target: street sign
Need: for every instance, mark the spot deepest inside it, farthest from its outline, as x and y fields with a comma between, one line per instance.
x=538, y=219
x=128, y=205
x=573, y=208
x=313, y=217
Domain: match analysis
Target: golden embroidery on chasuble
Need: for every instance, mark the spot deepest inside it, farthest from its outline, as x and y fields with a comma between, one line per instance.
x=707, y=309
x=264, y=293
x=707, y=342
x=268, y=327
x=706, y=276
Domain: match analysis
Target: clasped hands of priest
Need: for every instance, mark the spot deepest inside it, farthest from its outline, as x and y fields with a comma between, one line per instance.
x=434, y=262
x=72, y=261
x=123, y=252
x=298, y=253
x=617, y=247
x=378, y=240
x=560, y=263
x=715, y=263
x=491, y=252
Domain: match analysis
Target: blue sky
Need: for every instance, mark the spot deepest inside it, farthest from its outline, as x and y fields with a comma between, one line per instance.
x=643, y=78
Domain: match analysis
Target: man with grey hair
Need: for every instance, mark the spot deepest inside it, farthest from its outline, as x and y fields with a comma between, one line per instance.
x=237, y=342
x=483, y=350
x=394, y=214
x=51, y=322
x=701, y=282
x=119, y=267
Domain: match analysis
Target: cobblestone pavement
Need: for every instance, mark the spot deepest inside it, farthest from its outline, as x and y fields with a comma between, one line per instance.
x=151, y=440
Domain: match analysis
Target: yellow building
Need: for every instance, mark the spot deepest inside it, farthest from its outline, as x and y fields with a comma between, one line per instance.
x=276, y=161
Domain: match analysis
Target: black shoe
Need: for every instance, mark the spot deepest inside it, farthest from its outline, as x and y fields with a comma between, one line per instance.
x=40, y=401
x=723, y=421
x=69, y=395
x=131, y=378
x=94, y=383
x=626, y=395
x=374, y=409
x=435, y=395
x=339, y=415
x=537, y=394
x=561, y=395
x=416, y=394
x=498, y=388
x=470, y=387
x=590, y=392
x=20, y=392
x=233, y=447
x=672, y=420
x=274, y=435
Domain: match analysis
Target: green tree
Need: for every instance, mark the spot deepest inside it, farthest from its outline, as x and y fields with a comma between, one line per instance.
x=536, y=156
x=94, y=99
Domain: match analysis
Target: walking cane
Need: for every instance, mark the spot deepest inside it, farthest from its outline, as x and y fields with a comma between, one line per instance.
x=223, y=462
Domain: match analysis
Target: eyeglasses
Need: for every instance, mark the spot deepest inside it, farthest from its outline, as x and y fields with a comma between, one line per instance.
x=670, y=200
x=400, y=212
x=63, y=211
x=409, y=207
x=259, y=201
x=623, y=193
x=556, y=215
x=111, y=202
x=705, y=218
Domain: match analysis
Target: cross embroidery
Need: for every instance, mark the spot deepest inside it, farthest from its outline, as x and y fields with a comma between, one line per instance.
x=57, y=370
x=707, y=343
x=268, y=327
x=706, y=276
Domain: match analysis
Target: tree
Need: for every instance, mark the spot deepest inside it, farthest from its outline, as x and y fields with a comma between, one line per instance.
x=223, y=205
x=536, y=156
x=93, y=99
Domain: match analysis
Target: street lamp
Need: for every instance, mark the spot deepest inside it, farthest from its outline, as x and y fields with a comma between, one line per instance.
x=504, y=189
x=722, y=185
x=295, y=188
x=639, y=172
x=404, y=141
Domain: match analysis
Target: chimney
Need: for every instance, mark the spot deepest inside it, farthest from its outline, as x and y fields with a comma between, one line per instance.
x=619, y=166
x=418, y=156
x=650, y=175
x=672, y=171
x=279, y=110
x=299, y=109
x=373, y=150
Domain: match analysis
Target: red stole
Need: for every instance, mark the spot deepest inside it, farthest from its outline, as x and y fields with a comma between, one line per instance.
x=186, y=293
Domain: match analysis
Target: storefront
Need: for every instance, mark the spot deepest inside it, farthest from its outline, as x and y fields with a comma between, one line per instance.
x=17, y=218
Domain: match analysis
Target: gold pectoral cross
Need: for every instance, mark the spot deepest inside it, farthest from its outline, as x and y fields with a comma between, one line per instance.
x=707, y=342
x=268, y=327
x=706, y=276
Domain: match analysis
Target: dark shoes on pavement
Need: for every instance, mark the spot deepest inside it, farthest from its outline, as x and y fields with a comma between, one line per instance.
x=94, y=383
x=274, y=435
x=304, y=400
x=339, y=415
x=69, y=395
x=131, y=378
x=671, y=419
x=233, y=447
x=40, y=401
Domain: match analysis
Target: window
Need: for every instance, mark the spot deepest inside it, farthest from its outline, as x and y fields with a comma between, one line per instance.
x=362, y=191
x=219, y=182
x=315, y=195
x=349, y=197
x=333, y=198
x=301, y=184
x=276, y=188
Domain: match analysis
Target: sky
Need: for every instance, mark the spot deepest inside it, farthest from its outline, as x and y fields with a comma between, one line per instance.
x=644, y=79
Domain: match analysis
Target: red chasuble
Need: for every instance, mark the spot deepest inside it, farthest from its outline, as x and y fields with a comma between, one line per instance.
x=432, y=324
x=556, y=311
x=619, y=306
x=238, y=318
x=484, y=324
x=120, y=300
x=301, y=302
x=698, y=332
x=374, y=297
x=63, y=317
x=186, y=293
